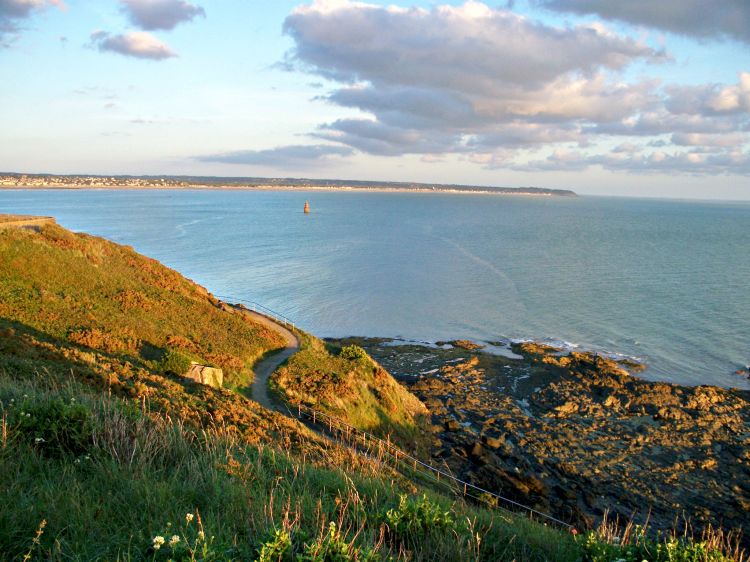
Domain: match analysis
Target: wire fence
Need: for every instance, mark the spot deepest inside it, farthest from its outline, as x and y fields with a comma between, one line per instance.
x=402, y=461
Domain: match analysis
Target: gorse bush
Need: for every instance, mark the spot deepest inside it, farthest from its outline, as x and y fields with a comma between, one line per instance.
x=175, y=362
x=354, y=353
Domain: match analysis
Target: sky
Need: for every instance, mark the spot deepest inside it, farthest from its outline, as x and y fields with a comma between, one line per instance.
x=637, y=98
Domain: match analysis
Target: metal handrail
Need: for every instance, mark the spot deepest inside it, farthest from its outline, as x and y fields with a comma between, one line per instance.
x=261, y=309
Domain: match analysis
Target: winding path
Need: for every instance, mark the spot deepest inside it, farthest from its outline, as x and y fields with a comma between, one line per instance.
x=265, y=367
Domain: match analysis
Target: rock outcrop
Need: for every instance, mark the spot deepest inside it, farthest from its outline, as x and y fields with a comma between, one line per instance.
x=210, y=376
x=577, y=435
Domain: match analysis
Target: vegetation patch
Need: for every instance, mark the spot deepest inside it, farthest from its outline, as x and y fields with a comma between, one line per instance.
x=348, y=384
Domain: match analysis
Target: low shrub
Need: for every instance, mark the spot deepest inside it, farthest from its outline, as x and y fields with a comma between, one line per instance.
x=54, y=427
x=277, y=548
x=111, y=342
x=354, y=353
x=643, y=548
x=174, y=362
x=281, y=546
x=413, y=519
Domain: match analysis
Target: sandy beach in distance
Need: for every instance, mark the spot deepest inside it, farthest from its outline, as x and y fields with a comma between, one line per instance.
x=311, y=188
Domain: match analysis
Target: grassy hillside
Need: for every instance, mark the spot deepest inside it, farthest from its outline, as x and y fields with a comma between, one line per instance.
x=348, y=384
x=77, y=307
x=107, y=480
x=106, y=297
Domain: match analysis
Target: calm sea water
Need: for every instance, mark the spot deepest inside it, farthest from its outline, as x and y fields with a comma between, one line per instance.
x=665, y=281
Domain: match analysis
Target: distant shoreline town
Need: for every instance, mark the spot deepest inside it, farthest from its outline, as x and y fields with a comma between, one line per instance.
x=48, y=181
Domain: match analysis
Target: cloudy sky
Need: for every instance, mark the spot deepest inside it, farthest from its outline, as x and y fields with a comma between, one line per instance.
x=638, y=98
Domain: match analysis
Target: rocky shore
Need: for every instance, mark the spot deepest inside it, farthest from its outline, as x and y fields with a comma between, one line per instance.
x=578, y=435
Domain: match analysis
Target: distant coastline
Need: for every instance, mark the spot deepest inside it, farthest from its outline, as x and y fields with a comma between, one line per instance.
x=51, y=181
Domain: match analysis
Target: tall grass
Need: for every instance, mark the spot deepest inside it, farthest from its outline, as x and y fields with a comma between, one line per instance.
x=139, y=475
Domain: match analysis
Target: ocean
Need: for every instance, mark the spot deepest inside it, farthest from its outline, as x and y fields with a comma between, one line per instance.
x=659, y=280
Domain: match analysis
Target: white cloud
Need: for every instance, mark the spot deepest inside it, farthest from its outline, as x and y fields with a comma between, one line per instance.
x=136, y=44
x=498, y=89
x=727, y=140
x=12, y=12
x=160, y=14
x=696, y=18
x=23, y=8
x=712, y=98
x=693, y=162
x=431, y=79
x=468, y=48
x=282, y=157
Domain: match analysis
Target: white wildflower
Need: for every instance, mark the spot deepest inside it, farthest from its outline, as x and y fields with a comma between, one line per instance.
x=201, y=536
x=39, y=440
x=174, y=539
x=189, y=517
x=158, y=541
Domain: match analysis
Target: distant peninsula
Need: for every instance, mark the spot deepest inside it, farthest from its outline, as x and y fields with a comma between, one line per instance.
x=50, y=181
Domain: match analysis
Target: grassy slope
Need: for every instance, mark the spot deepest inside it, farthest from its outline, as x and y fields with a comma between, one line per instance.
x=76, y=306
x=357, y=390
x=129, y=476
x=107, y=297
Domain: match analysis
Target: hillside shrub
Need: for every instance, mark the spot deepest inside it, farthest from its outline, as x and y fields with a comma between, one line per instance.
x=413, y=519
x=174, y=362
x=54, y=427
x=278, y=548
x=354, y=353
x=669, y=549
x=111, y=342
x=331, y=546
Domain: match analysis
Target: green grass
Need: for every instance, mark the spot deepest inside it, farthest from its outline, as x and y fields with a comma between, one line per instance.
x=348, y=384
x=98, y=295
x=137, y=474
